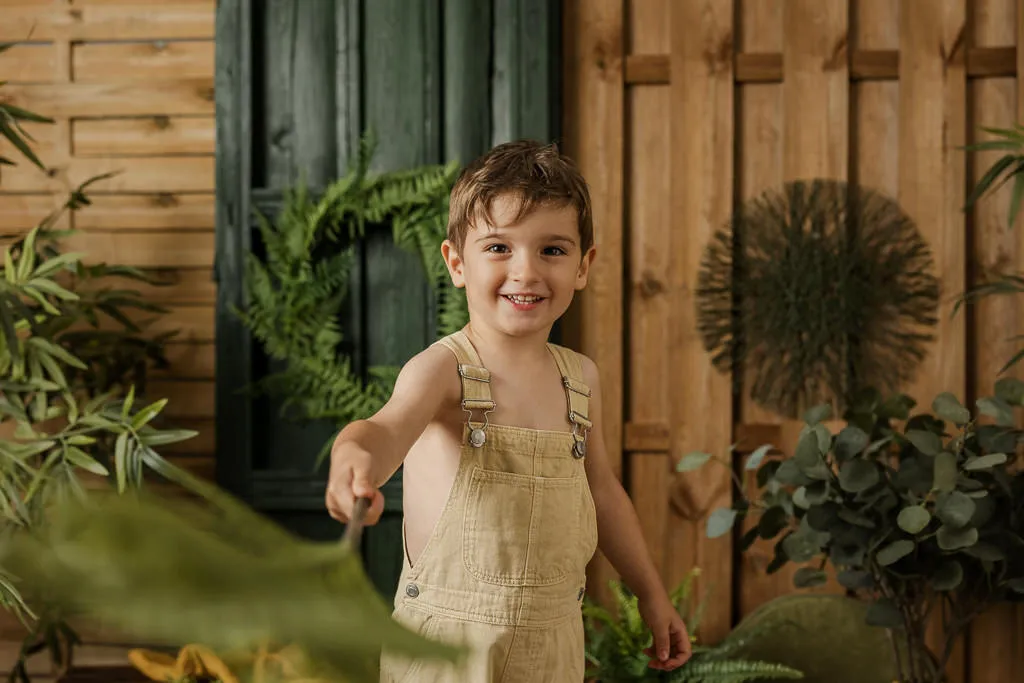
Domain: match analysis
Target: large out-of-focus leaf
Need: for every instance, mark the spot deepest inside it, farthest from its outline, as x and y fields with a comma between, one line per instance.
x=172, y=571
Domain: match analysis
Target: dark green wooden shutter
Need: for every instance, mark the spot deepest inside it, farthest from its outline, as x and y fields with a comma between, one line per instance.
x=297, y=84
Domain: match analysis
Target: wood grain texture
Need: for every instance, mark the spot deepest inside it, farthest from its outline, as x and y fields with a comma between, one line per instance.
x=153, y=60
x=145, y=136
x=594, y=39
x=107, y=19
x=701, y=139
x=147, y=98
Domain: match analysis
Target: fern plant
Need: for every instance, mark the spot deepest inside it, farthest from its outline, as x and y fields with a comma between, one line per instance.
x=297, y=289
x=615, y=645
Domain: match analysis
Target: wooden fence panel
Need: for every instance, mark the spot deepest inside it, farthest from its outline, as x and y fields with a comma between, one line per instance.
x=140, y=107
x=879, y=92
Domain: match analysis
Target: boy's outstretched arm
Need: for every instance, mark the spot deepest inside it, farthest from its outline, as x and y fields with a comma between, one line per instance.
x=620, y=538
x=367, y=452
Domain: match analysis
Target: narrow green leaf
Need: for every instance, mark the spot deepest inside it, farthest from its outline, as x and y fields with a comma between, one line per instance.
x=121, y=461
x=15, y=139
x=162, y=438
x=126, y=406
x=148, y=413
x=79, y=458
x=1015, y=198
x=985, y=183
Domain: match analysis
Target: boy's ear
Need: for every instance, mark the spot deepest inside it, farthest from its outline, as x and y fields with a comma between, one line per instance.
x=584, y=270
x=454, y=263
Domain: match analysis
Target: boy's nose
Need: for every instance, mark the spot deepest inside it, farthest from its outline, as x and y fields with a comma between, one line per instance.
x=524, y=269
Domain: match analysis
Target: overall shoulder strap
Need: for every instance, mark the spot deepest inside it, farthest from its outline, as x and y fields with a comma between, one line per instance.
x=476, y=382
x=577, y=395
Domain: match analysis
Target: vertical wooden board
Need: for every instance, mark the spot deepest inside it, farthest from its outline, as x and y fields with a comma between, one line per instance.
x=701, y=139
x=875, y=24
x=522, y=83
x=648, y=230
x=467, y=98
x=932, y=119
x=759, y=145
x=594, y=35
x=992, y=23
x=298, y=90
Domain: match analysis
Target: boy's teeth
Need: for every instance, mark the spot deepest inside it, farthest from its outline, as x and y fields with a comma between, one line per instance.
x=522, y=299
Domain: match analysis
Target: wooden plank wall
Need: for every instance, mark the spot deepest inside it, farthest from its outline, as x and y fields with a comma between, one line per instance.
x=130, y=84
x=679, y=110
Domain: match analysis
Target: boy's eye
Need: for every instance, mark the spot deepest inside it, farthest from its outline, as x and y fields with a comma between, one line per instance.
x=497, y=248
x=554, y=251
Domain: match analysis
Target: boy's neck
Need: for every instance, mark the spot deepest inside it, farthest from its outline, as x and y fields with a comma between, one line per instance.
x=493, y=346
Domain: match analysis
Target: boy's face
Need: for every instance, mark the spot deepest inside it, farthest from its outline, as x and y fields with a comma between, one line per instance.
x=520, y=278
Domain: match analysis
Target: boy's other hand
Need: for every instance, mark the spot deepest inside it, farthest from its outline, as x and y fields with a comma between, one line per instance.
x=671, y=647
x=351, y=478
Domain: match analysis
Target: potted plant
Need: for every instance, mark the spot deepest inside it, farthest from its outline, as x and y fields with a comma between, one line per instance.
x=919, y=516
x=615, y=644
x=73, y=365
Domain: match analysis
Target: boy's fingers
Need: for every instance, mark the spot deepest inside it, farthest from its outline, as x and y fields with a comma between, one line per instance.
x=361, y=485
x=375, y=510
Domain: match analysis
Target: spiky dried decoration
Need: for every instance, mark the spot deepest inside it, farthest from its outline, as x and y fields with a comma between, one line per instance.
x=817, y=290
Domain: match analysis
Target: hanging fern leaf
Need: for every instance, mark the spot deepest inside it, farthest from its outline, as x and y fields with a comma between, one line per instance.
x=298, y=285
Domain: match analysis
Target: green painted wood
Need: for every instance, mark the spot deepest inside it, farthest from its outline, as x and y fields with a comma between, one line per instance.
x=467, y=79
x=233, y=80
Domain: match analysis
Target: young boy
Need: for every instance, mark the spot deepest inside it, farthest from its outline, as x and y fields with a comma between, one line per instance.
x=507, y=488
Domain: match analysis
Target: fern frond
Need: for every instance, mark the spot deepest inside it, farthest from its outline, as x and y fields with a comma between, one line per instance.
x=732, y=671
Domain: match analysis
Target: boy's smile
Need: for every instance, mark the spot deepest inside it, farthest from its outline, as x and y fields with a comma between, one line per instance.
x=520, y=276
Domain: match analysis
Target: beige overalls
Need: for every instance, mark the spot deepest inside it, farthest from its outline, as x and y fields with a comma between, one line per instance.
x=503, y=571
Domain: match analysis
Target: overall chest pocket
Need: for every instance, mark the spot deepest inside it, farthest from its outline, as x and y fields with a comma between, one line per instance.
x=521, y=530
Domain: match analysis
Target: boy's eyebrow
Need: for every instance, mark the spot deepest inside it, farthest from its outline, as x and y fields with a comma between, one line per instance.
x=498, y=234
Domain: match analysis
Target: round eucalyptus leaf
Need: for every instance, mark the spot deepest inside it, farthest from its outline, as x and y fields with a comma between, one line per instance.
x=809, y=577
x=757, y=457
x=789, y=474
x=856, y=518
x=857, y=475
x=951, y=538
x=767, y=471
x=948, y=575
x=800, y=547
x=850, y=442
x=807, y=454
x=876, y=446
x=824, y=437
x=996, y=439
x=984, y=462
x=986, y=551
x=944, y=478
x=913, y=519
x=948, y=407
x=894, y=552
x=817, y=492
x=772, y=522
x=692, y=461
x=818, y=413
x=884, y=613
x=955, y=509
x=855, y=579
x=748, y=538
x=897, y=407
x=720, y=522
x=820, y=517
x=1011, y=390
x=800, y=498
x=848, y=552
x=927, y=442
x=997, y=408
x=984, y=509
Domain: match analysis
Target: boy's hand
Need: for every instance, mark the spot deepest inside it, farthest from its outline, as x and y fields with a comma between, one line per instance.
x=671, y=646
x=351, y=478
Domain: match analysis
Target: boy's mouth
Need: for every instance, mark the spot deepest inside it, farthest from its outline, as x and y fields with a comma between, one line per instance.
x=523, y=299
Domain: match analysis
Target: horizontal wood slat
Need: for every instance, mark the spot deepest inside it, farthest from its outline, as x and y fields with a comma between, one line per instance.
x=144, y=249
x=189, y=361
x=142, y=98
x=652, y=437
x=155, y=211
x=151, y=135
x=29, y=63
x=132, y=174
x=982, y=62
x=107, y=19
x=160, y=59
x=186, y=398
x=192, y=323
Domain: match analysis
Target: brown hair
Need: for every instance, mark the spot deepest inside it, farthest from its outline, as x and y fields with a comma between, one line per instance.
x=536, y=174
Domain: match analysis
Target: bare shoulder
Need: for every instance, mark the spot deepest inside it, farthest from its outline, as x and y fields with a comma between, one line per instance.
x=433, y=371
x=591, y=373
